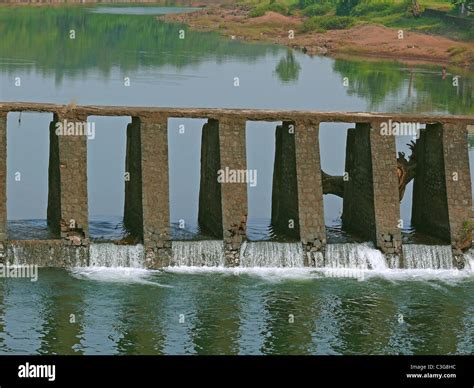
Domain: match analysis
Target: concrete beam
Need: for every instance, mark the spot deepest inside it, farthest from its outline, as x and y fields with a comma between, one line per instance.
x=230, y=114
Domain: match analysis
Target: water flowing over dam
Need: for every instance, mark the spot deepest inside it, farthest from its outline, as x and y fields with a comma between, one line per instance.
x=208, y=253
x=371, y=194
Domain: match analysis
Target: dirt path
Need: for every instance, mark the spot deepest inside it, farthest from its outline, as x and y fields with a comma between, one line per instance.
x=362, y=40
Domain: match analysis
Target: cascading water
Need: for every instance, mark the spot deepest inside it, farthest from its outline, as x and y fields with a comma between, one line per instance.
x=207, y=253
x=356, y=256
x=113, y=255
x=271, y=254
x=427, y=256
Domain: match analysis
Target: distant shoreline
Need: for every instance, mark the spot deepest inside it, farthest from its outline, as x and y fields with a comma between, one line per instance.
x=365, y=40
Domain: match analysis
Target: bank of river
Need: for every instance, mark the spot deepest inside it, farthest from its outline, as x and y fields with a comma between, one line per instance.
x=363, y=40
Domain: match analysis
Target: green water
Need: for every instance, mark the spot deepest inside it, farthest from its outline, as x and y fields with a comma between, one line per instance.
x=247, y=312
x=119, y=311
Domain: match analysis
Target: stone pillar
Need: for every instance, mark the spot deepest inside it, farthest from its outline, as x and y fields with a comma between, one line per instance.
x=3, y=177
x=442, y=197
x=133, y=207
x=310, y=192
x=234, y=194
x=155, y=186
x=371, y=206
x=383, y=151
x=68, y=178
x=210, y=202
x=429, y=207
x=458, y=185
x=54, y=185
x=285, y=220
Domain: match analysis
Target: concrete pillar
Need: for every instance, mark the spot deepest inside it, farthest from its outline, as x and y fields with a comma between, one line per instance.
x=3, y=176
x=210, y=202
x=234, y=194
x=310, y=191
x=442, y=198
x=371, y=201
x=155, y=187
x=68, y=178
x=285, y=220
x=133, y=207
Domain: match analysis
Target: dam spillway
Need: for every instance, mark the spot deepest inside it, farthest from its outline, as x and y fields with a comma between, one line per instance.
x=442, y=199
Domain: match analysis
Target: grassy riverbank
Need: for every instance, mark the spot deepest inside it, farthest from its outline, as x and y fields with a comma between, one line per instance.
x=370, y=28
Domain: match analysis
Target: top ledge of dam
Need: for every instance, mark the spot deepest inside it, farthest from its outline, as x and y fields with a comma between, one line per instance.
x=219, y=113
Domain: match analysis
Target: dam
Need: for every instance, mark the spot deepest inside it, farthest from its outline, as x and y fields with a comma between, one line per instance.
x=442, y=193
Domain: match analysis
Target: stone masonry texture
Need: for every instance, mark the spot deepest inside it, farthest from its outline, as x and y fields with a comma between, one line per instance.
x=429, y=206
x=3, y=176
x=285, y=220
x=386, y=195
x=234, y=195
x=310, y=191
x=371, y=200
x=458, y=185
x=210, y=202
x=72, y=150
x=155, y=195
x=133, y=207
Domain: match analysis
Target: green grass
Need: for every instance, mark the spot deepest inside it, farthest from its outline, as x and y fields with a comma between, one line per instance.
x=323, y=23
x=321, y=15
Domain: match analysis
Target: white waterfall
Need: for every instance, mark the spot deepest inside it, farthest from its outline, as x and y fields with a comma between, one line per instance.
x=427, y=256
x=207, y=253
x=271, y=254
x=113, y=255
x=353, y=255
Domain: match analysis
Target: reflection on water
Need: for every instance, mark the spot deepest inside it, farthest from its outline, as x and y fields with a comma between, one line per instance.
x=100, y=228
x=253, y=312
x=141, y=10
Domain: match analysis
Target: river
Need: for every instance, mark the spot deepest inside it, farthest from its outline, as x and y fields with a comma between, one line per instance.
x=124, y=56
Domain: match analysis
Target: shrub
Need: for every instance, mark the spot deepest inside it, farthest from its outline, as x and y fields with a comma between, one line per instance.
x=275, y=7
x=317, y=9
x=344, y=7
x=320, y=23
x=383, y=7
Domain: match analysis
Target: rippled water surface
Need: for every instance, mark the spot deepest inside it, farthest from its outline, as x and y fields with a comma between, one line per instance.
x=253, y=311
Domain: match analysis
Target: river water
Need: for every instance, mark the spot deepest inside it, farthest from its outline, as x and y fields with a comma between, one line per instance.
x=124, y=56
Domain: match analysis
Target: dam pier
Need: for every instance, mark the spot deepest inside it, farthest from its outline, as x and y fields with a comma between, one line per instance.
x=442, y=191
